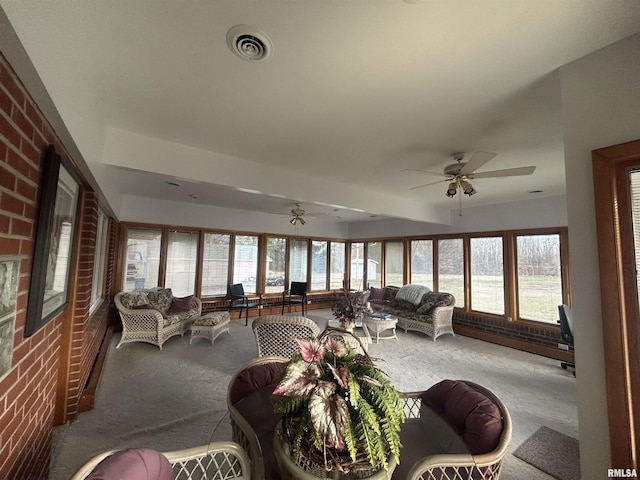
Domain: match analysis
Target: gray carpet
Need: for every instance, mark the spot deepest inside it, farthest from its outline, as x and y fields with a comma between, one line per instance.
x=176, y=398
x=552, y=452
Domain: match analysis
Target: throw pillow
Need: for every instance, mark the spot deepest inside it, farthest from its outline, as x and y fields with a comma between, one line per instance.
x=426, y=307
x=148, y=306
x=132, y=299
x=161, y=298
x=376, y=295
x=179, y=305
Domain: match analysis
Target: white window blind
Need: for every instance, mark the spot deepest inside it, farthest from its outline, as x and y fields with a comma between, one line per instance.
x=635, y=213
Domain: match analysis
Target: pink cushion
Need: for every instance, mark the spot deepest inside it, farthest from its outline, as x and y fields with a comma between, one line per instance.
x=376, y=295
x=179, y=305
x=133, y=464
x=472, y=414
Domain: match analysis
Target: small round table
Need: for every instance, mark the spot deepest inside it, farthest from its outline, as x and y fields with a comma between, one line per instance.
x=380, y=324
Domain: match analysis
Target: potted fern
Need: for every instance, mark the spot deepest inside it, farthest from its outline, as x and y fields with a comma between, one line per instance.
x=341, y=415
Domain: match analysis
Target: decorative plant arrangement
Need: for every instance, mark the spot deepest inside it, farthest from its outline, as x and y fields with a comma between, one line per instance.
x=349, y=309
x=338, y=410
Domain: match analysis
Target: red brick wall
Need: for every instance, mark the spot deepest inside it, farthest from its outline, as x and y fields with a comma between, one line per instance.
x=28, y=390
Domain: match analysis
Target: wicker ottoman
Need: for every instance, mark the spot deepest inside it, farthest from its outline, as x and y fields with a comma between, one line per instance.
x=209, y=326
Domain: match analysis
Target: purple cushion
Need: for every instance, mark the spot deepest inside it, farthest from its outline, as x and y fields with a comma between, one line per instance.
x=179, y=305
x=472, y=414
x=376, y=295
x=133, y=464
x=148, y=306
x=254, y=378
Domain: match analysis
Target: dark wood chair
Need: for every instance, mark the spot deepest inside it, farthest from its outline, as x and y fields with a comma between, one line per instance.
x=296, y=295
x=240, y=301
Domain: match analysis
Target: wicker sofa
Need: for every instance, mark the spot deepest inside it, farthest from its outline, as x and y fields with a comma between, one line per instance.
x=155, y=315
x=417, y=308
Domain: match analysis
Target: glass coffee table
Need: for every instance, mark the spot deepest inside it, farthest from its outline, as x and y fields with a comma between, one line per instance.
x=360, y=331
x=381, y=325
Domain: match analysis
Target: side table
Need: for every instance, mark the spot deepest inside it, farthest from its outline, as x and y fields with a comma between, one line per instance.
x=380, y=324
x=209, y=326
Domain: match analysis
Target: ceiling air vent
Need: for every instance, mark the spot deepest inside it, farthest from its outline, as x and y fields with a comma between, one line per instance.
x=249, y=43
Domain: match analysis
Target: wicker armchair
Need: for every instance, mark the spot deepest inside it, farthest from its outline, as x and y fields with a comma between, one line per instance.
x=153, y=325
x=215, y=461
x=276, y=334
x=458, y=466
x=253, y=421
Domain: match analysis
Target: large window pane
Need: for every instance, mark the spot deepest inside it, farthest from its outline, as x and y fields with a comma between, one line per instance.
x=318, y=265
x=337, y=265
x=357, y=266
x=374, y=264
x=215, y=264
x=275, y=268
x=298, y=261
x=143, y=258
x=245, y=262
x=451, y=268
x=182, y=257
x=487, y=275
x=422, y=262
x=539, y=277
x=99, y=257
x=394, y=263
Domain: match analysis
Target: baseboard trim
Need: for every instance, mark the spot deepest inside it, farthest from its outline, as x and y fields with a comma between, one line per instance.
x=517, y=344
x=88, y=397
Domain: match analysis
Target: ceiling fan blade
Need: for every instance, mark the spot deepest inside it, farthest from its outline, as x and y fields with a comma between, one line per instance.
x=427, y=184
x=425, y=172
x=476, y=161
x=507, y=172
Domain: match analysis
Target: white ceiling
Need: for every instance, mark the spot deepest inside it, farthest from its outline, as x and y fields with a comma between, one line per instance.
x=353, y=93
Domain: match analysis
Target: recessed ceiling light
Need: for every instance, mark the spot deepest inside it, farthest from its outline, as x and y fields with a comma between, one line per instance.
x=173, y=183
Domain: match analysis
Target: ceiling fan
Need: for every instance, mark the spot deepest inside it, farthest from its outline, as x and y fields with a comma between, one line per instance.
x=459, y=173
x=297, y=215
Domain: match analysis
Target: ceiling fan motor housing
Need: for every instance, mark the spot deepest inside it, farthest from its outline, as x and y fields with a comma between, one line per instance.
x=454, y=168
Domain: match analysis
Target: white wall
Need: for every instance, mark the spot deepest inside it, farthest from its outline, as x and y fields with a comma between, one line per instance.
x=600, y=107
x=534, y=213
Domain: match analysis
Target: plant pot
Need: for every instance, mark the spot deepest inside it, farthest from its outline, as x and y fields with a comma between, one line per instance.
x=305, y=470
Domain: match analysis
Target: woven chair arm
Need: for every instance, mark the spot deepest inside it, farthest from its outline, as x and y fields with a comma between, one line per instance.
x=442, y=315
x=196, y=303
x=141, y=319
x=434, y=466
x=227, y=458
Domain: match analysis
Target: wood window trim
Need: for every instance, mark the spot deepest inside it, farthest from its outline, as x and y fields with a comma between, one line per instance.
x=619, y=315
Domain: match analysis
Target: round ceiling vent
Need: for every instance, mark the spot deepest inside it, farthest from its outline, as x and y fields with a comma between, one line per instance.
x=249, y=43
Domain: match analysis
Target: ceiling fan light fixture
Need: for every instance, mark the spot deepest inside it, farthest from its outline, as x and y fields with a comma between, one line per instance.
x=467, y=188
x=452, y=189
x=302, y=220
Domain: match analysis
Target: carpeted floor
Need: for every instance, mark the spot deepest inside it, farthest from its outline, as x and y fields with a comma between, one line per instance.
x=176, y=398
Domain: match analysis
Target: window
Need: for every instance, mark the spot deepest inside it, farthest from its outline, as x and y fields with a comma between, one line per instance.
x=245, y=262
x=539, y=277
x=99, y=257
x=336, y=276
x=394, y=263
x=298, y=261
x=318, y=265
x=357, y=266
x=182, y=258
x=422, y=262
x=634, y=177
x=215, y=264
x=374, y=264
x=275, y=268
x=143, y=258
x=451, y=268
x=487, y=275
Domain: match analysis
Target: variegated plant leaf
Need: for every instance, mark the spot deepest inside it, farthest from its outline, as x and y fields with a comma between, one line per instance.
x=325, y=389
x=299, y=379
x=371, y=381
x=330, y=417
x=311, y=350
x=339, y=349
x=341, y=375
